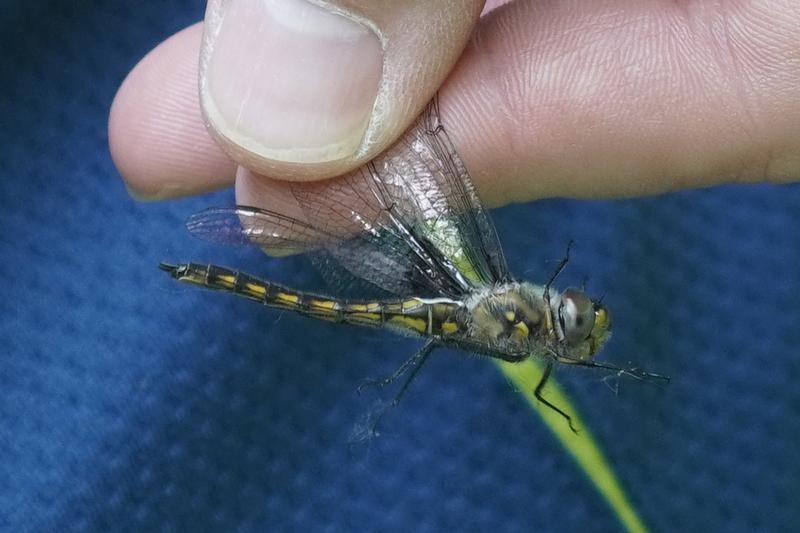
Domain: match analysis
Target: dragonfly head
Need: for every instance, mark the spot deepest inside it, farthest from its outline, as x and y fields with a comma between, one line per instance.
x=574, y=328
x=584, y=324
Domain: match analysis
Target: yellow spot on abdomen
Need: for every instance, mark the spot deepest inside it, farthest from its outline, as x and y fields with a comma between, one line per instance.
x=373, y=317
x=449, y=327
x=227, y=280
x=327, y=305
x=287, y=298
x=410, y=305
x=417, y=324
x=256, y=289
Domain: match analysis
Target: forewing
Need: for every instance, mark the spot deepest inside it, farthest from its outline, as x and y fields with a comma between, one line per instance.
x=478, y=242
x=276, y=232
x=425, y=193
x=376, y=243
x=408, y=223
x=350, y=258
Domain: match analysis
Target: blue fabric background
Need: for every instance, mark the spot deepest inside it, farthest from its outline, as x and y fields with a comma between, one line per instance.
x=129, y=402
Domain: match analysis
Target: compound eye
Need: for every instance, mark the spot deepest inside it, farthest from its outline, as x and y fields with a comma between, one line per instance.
x=576, y=315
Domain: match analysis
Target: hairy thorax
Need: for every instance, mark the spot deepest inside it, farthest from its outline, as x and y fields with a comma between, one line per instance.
x=521, y=319
x=511, y=317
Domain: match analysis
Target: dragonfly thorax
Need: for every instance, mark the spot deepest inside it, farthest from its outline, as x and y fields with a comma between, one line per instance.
x=518, y=318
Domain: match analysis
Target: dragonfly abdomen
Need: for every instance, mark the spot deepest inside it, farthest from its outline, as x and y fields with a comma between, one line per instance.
x=414, y=316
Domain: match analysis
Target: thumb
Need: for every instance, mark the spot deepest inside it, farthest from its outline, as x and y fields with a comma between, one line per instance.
x=308, y=89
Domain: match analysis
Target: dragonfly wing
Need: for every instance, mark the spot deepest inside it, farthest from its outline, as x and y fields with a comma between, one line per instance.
x=473, y=238
x=425, y=194
x=376, y=242
x=410, y=222
x=276, y=232
x=351, y=260
x=343, y=282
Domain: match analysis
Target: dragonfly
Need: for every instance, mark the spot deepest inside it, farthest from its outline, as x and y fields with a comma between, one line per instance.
x=409, y=230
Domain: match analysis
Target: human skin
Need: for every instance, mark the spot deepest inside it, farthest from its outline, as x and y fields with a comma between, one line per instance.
x=613, y=98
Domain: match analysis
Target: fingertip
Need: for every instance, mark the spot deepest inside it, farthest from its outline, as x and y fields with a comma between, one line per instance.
x=156, y=134
x=301, y=91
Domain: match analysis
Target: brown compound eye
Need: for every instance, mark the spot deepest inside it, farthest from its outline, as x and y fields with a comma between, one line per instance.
x=576, y=315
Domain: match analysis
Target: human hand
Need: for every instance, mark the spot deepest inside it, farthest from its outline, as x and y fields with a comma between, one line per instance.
x=612, y=98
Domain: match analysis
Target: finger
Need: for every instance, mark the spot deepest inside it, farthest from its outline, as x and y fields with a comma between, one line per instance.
x=155, y=129
x=582, y=110
x=302, y=89
x=611, y=99
x=620, y=98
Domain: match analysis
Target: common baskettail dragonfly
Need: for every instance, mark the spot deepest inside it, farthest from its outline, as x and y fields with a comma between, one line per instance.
x=410, y=227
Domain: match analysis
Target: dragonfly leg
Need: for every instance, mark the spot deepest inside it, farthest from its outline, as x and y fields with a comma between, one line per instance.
x=373, y=418
x=420, y=357
x=636, y=373
x=537, y=392
x=548, y=310
x=559, y=269
x=421, y=354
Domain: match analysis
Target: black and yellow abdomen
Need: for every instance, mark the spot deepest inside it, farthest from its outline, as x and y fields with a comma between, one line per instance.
x=416, y=316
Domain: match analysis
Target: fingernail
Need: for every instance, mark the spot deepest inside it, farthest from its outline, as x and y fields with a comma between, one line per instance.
x=288, y=80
